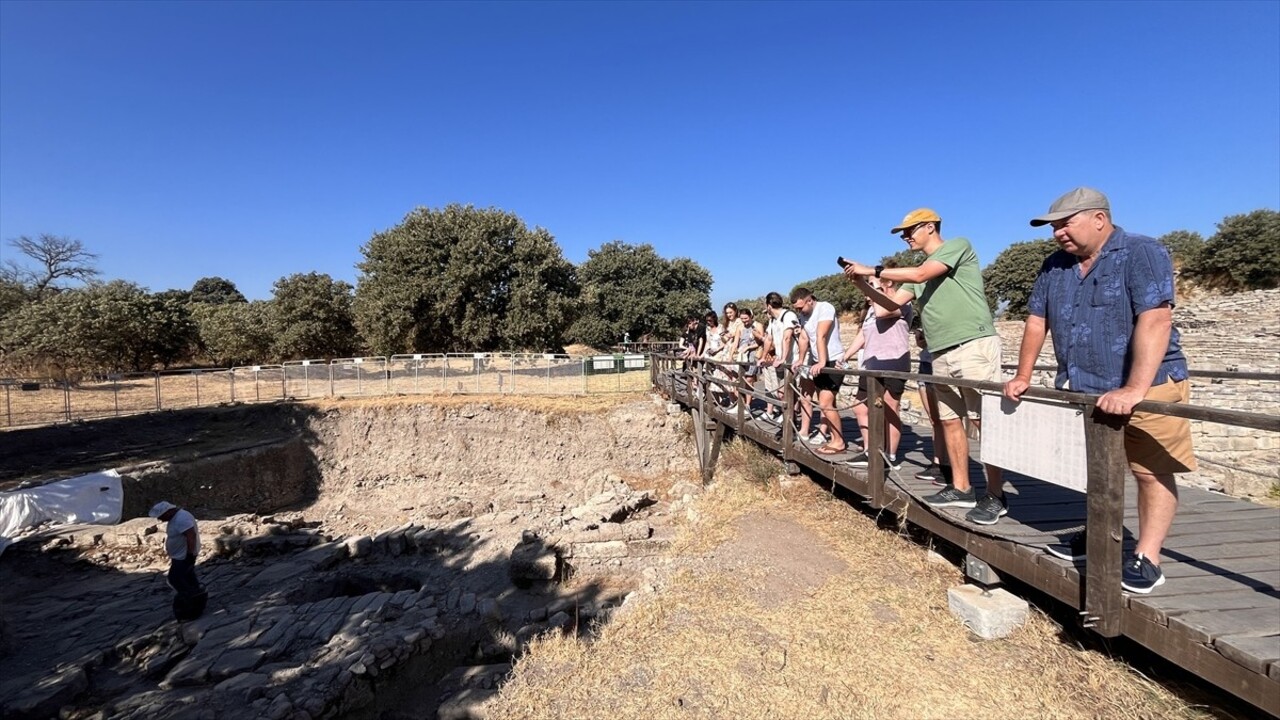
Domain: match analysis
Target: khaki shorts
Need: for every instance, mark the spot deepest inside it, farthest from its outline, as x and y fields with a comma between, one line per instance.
x=772, y=378
x=1161, y=444
x=978, y=359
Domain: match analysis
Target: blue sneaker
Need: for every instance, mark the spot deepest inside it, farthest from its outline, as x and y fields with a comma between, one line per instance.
x=1140, y=575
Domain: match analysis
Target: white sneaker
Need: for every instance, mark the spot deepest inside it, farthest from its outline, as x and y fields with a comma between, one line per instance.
x=817, y=438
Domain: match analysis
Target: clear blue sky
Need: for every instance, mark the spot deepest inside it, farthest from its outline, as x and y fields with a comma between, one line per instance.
x=255, y=140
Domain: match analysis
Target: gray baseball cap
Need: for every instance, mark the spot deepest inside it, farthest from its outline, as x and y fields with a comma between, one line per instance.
x=1078, y=200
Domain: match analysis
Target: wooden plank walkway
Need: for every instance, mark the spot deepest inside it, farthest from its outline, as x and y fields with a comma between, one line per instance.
x=1218, y=613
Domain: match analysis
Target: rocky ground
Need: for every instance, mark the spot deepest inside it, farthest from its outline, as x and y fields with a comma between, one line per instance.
x=403, y=590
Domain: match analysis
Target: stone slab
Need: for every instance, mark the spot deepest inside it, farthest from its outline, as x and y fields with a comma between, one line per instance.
x=988, y=614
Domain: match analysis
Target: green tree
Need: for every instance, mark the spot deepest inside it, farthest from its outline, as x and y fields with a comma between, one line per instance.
x=106, y=327
x=13, y=295
x=836, y=289
x=1242, y=254
x=235, y=333
x=631, y=290
x=1184, y=246
x=903, y=258
x=461, y=279
x=1009, y=278
x=313, y=317
x=215, y=291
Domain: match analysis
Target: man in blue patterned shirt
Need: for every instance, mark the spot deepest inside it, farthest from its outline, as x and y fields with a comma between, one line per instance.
x=1107, y=299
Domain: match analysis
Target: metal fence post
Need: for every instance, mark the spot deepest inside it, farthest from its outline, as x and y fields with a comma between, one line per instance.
x=66, y=399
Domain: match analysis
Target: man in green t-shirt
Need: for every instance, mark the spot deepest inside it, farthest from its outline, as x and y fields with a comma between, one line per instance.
x=948, y=294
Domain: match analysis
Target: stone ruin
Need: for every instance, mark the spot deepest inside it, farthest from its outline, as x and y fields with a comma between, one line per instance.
x=419, y=620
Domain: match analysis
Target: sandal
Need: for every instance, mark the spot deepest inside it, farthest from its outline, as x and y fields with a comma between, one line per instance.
x=828, y=450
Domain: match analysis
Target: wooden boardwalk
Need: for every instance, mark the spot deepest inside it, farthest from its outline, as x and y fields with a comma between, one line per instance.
x=1217, y=615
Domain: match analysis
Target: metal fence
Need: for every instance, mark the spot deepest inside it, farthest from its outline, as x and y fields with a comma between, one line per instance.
x=39, y=402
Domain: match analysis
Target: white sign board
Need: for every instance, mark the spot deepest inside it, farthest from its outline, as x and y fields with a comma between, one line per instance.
x=1037, y=438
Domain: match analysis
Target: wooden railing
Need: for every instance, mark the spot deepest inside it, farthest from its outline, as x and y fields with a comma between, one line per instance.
x=1107, y=468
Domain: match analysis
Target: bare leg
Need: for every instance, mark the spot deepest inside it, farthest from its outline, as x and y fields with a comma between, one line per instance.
x=995, y=475
x=806, y=406
x=894, y=420
x=957, y=452
x=827, y=402
x=929, y=406
x=860, y=411
x=1157, y=504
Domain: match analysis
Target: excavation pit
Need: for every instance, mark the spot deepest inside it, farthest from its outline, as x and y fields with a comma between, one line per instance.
x=362, y=560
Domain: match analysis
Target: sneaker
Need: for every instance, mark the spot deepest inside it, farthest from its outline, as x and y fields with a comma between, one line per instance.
x=1072, y=548
x=951, y=497
x=988, y=510
x=933, y=472
x=817, y=438
x=861, y=460
x=1140, y=575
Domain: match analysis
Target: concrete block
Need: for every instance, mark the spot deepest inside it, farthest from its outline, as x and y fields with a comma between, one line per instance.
x=933, y=557
x=988, y=614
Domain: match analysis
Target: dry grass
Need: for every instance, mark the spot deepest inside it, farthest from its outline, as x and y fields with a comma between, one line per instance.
x=549, y=404
x=90, y=400
x=872, y=638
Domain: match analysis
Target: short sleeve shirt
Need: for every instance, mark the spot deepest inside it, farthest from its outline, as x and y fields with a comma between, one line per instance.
x=823, y=311
x=777, y=327
x=1092, y=318
x=888, y=341
x=953, y=306
x=175, y=544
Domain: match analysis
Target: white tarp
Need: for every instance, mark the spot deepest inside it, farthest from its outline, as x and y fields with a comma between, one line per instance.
x=95, y=499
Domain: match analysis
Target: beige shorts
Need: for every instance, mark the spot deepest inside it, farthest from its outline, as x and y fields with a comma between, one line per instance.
x=978, y=359
x=1161, y=444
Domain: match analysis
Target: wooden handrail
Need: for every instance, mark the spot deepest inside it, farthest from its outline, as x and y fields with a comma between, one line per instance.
x=1102, y=600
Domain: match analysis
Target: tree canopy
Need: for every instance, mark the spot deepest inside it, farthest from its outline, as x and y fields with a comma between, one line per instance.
x=1241, y=255
x=1184, y=246
x=215, y=291
x=313, y=317
x=631, y=290
x=106, y=327
x=463, y=278
x=1009, y=278
x=235, y=333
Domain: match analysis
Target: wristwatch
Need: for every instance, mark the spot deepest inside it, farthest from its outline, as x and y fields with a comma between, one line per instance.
x=879, y=269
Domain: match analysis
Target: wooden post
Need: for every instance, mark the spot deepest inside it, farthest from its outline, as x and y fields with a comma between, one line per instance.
x=1104, y=446
x=743, y=399
x=713, y=456
x=875, y=441
x=788, y=415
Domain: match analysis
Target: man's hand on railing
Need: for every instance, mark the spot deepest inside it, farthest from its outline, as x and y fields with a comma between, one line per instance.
x=1016, y=387
x=1120, y=401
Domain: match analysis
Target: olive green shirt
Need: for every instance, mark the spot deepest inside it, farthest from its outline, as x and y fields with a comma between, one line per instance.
x=953, y=307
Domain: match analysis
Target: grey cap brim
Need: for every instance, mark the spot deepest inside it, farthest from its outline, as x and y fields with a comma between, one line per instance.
x=1053, y=217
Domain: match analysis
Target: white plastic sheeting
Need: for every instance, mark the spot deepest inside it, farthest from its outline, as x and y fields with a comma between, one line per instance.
x=94, y=499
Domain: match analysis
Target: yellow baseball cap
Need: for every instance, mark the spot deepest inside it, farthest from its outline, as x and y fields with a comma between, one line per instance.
x=915, y=217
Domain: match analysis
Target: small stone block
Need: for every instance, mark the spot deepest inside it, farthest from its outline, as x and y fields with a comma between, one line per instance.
x=988, y=614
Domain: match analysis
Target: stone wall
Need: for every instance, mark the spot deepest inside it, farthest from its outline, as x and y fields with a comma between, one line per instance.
x=1238, y=333
x=263, y=479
